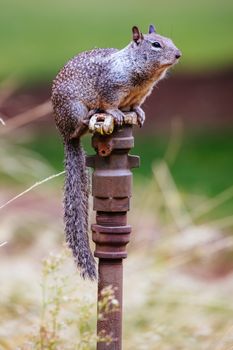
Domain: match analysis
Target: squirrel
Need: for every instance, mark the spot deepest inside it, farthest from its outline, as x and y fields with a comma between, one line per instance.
x=101, y=80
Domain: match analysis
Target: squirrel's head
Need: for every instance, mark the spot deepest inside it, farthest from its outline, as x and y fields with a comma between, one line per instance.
x=159, y=51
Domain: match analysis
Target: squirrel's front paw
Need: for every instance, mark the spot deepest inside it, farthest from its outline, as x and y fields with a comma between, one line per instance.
x=117, y=115
x=140, y=115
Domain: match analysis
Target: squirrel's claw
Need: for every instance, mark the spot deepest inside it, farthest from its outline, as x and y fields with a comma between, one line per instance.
x=117, y=114
x=140, y=115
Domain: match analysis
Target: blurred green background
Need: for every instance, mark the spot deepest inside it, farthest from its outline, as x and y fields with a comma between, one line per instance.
x=182, y=206
x=38, y=37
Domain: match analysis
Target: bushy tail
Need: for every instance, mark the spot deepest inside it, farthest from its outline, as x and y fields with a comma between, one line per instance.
x=76, y=208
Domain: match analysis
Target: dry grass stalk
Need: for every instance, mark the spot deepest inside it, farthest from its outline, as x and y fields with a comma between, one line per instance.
x=27, y=117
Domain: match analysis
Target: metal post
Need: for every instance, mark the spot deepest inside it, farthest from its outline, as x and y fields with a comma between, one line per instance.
x=112, y=189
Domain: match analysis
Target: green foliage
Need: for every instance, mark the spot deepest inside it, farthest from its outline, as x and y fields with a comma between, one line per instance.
x=37, y=38
x=202, y=163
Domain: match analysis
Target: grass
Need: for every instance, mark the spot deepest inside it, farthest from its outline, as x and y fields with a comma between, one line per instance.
x=178, y=285
x=203, y=163
x=201, y=166
x=36, y=39
x=167, y=302
x=178, y=289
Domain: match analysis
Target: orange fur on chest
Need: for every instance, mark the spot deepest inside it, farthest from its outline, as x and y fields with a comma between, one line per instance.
x=139, y=93
x=135, y=97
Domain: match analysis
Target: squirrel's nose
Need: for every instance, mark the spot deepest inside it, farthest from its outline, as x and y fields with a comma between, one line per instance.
x=178, y=54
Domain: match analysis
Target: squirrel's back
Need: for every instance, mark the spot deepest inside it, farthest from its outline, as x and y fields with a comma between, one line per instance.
x=80, y=76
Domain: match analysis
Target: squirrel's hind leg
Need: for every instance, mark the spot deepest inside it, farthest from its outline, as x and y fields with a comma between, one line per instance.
x=80, y=118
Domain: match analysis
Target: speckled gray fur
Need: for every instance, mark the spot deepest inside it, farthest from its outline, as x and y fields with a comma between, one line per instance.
x=76, y=208
x=106, y=80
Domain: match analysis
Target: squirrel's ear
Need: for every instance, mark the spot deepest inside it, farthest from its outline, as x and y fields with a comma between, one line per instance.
x=137, y=35
x=152, y=29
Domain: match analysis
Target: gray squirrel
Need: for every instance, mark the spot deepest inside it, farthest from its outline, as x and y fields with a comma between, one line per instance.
x=101, y=80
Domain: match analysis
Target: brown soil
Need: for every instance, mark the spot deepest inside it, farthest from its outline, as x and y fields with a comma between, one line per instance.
x=201, y=100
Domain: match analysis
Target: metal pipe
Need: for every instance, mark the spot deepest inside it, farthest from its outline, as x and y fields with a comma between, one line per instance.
x=112, y=189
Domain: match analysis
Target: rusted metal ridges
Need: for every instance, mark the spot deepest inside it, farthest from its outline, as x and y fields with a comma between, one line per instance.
x=112, y=189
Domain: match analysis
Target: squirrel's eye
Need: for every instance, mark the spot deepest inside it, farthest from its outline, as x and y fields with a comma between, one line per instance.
x=156, y=44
